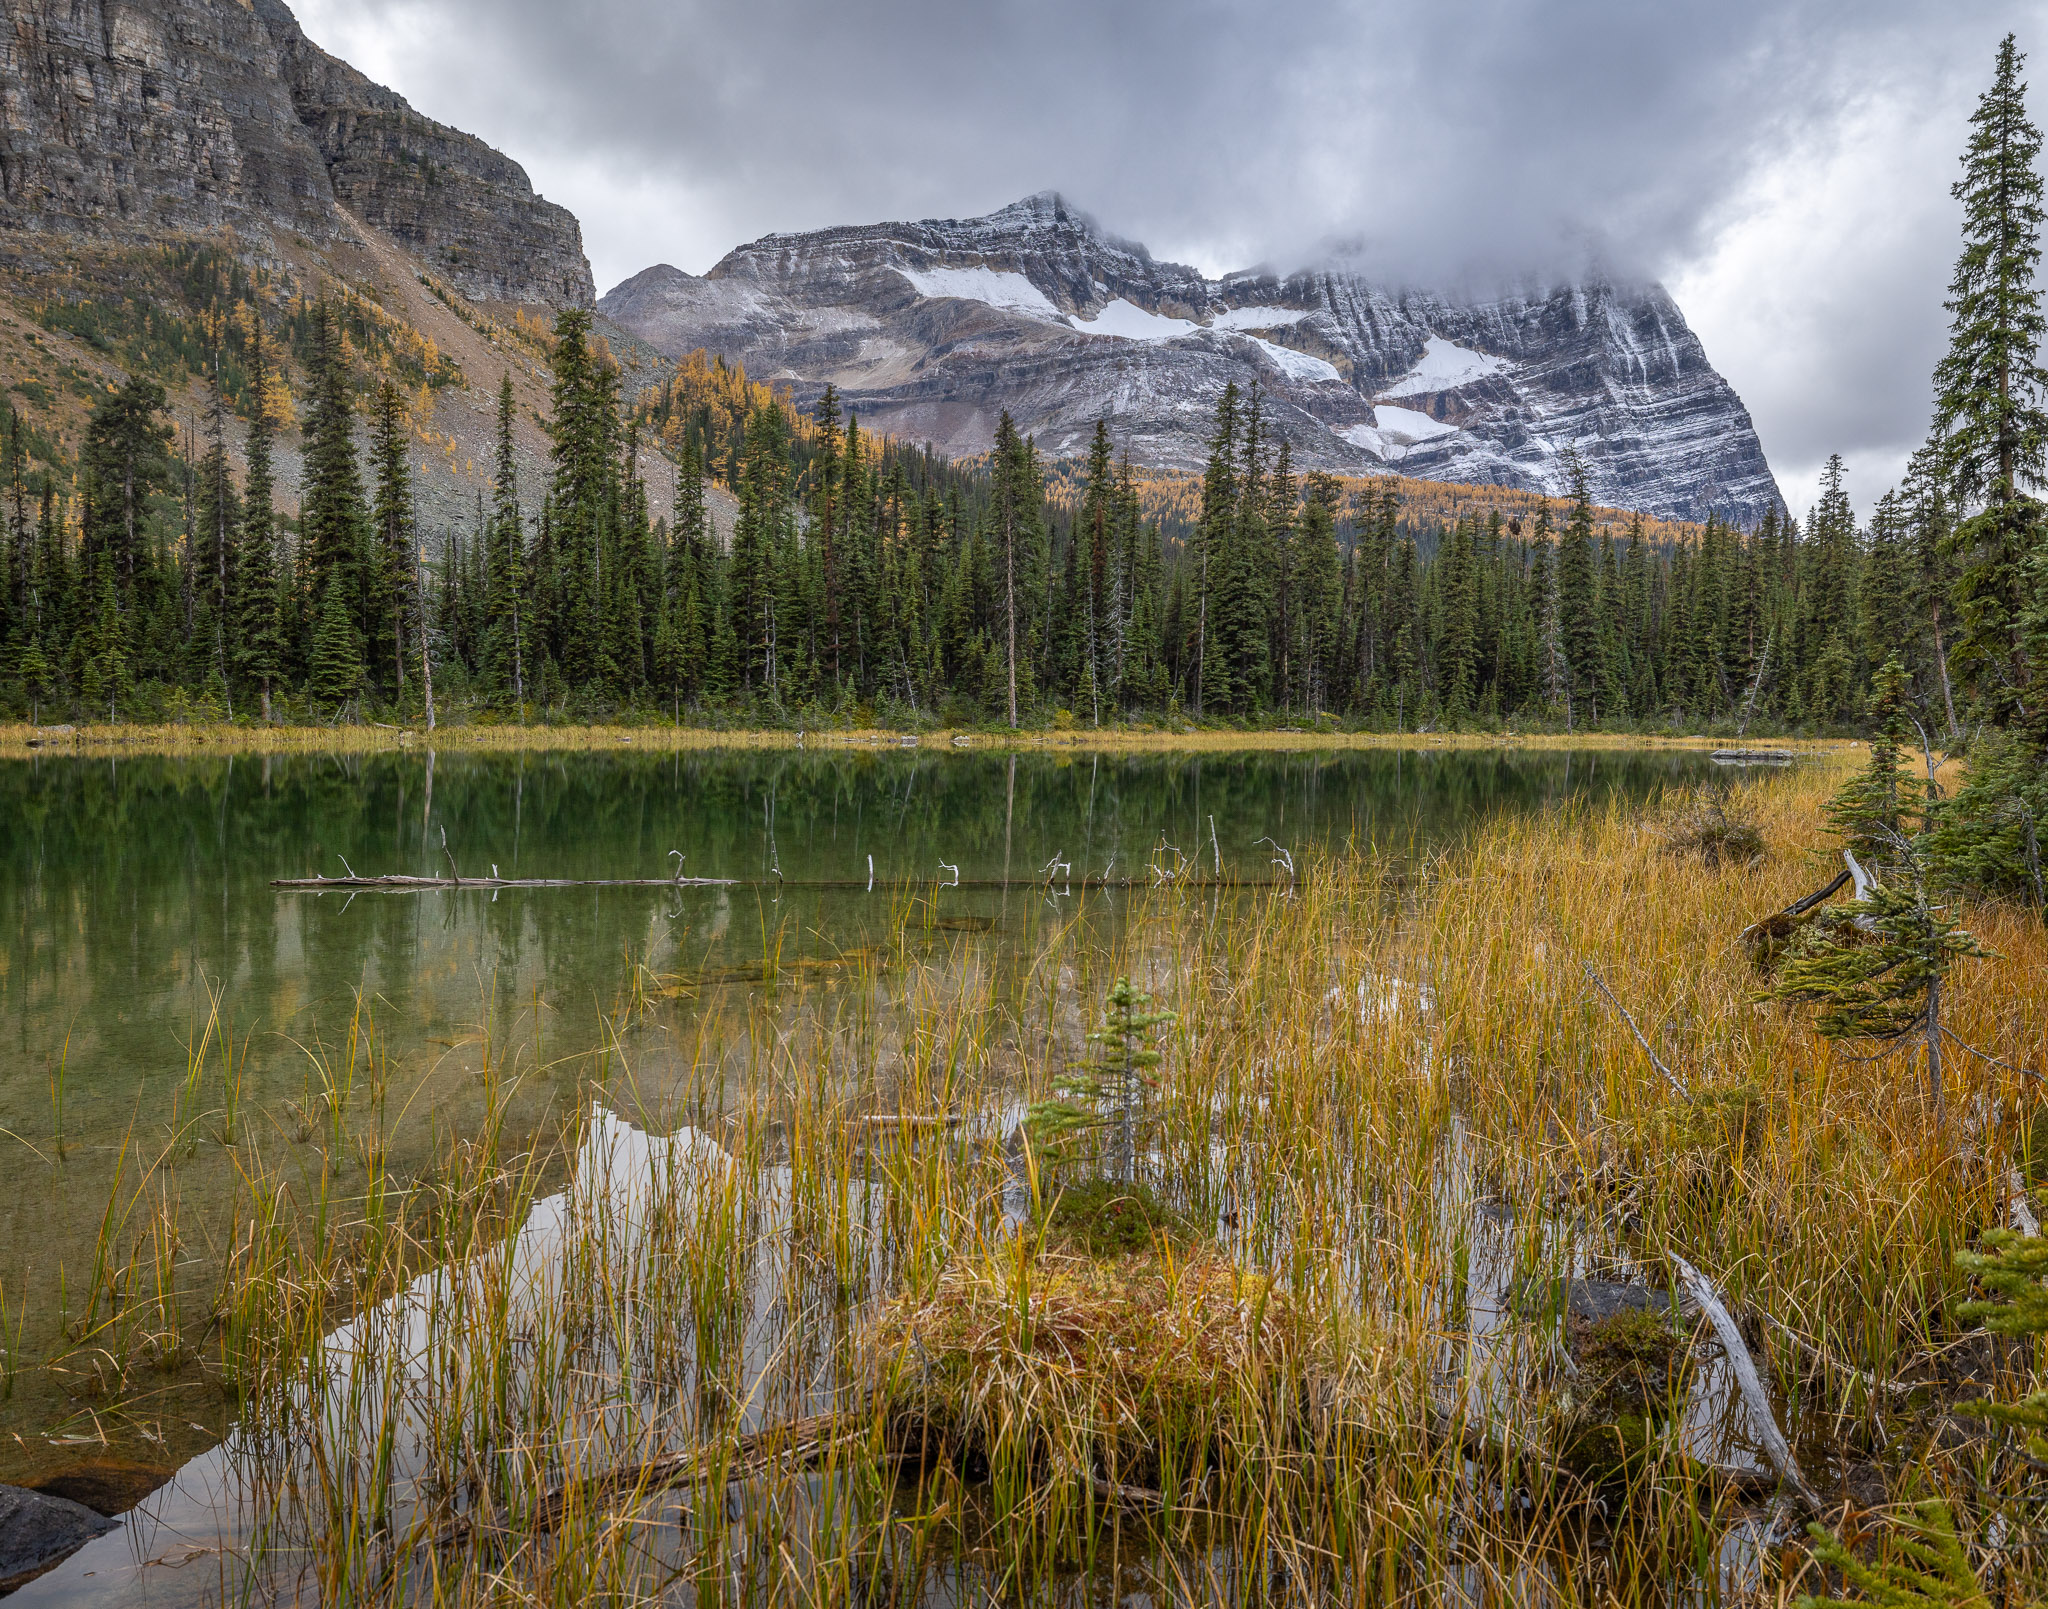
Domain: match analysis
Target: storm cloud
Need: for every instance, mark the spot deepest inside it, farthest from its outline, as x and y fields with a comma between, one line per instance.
x=1782, y=165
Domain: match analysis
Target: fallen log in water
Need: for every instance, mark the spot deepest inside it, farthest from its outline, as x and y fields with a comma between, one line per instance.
x=1752, y=756
x=403, y=884
x=799, y=1444
x=397, y=883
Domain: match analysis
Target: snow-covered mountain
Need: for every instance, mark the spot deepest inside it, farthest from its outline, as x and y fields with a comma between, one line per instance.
x=931, y=330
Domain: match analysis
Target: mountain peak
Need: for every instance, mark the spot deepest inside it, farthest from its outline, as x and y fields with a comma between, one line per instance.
x=934, y=330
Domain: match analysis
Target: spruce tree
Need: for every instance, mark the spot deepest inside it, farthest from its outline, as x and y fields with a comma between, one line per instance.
x=258, y=641
x=331, y=513
x=337, y=661
x=504, y=655
x=1876, y=966
x=125, y=461
x=393, y=606
x=1991, y=396
x=217, y=518
x=1011, y=513
x=1212, y=544
x=1578, y=624
x=825, y=514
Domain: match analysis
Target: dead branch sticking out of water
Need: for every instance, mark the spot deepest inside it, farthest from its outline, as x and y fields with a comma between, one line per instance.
x=1747, y=1381
x=396, y=883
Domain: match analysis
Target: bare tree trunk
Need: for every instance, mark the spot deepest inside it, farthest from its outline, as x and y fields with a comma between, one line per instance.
x=1948, y=697
x=1755, y=687
x=1934, y=1055
x=426, y=659
x=1010, y=603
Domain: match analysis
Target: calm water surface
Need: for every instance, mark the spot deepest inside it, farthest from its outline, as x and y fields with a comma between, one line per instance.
x=135, y=892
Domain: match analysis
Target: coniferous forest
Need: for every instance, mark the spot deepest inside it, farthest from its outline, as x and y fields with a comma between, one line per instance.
x=863, y=579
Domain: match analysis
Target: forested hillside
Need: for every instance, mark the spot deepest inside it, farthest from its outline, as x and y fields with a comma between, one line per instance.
x=159, y=573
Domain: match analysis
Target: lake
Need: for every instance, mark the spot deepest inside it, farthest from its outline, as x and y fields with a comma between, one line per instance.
x=169, y=1013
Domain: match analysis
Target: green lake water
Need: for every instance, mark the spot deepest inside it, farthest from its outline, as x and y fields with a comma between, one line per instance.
x=133, y=892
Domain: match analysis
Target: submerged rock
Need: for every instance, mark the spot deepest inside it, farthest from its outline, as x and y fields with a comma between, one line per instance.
x=1585, y=1301
x=38, y=1531
x=1628, y=1387
x=108, y=1486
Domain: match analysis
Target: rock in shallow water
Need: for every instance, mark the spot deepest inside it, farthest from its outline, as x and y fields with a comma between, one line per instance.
x=37, y=1531
x=1590, y=1301
x=110, y=1486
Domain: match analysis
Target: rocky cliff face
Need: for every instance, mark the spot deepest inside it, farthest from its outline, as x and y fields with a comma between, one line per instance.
x=445, y=196
x=933, y=329
x=135, y=120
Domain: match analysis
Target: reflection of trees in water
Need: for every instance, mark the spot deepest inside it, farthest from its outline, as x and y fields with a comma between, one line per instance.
x=120, y=881
x=118, y=878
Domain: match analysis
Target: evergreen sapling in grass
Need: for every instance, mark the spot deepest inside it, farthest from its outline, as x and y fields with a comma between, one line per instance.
x=1927, y=1567
x=1109, y=1091
x=1876, y=966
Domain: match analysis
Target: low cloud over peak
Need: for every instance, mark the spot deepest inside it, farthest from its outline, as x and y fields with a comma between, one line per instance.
x=1782, y=165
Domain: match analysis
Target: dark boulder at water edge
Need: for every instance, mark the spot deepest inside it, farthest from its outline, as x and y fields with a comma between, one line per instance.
x=38, y=1531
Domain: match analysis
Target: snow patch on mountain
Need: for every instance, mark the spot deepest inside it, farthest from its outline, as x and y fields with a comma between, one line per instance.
x=1444, y=367
x=1408, y=425
x=999, y=287
x=1258, y=318
x=1129, y=322
x=1298, y=365
x=1398, y=431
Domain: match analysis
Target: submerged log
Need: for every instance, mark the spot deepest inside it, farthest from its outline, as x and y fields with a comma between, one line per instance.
x=799, y=1444
x=401, y=884
x=404, y=884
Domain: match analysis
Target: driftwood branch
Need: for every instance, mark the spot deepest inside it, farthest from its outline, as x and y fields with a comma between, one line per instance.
x=2023, y=1218
x=1766, y=935
x=802, y=1443
x=1656, y=1061
x=1747, y=1381
x=402, y=884
x=1870, y=1382
x=1800, y=907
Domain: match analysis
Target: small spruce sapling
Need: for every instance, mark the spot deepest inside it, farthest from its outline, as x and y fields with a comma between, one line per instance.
x=2014, y=1270
x=1876, y=965
x=1927, y=1567
x=1886, y=799
x=34, y=670
x=1108, y=1091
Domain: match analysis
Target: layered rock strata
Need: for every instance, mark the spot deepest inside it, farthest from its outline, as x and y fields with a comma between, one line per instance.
x=932, y=330
x=139, y=121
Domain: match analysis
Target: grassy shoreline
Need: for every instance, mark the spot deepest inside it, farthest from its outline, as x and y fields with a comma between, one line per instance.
x=19, y=740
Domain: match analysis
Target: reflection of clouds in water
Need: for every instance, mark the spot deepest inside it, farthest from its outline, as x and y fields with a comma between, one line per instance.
x=591, y=1297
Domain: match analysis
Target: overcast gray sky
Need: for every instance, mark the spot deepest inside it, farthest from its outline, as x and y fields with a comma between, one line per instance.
x=1782, y=165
